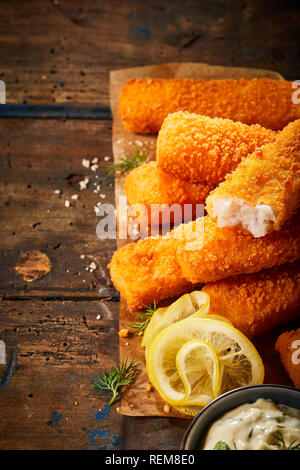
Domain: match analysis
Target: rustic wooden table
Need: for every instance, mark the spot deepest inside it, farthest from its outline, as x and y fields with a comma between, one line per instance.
x=55, y=60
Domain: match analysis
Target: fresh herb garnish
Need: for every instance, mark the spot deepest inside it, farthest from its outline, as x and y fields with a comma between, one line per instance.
x=221, y=445
x=279, y=442
x=128, y=163
x=145, y=318
x=117, y=376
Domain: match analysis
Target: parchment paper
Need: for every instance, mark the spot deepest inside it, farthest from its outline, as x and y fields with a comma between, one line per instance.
x=136, y=400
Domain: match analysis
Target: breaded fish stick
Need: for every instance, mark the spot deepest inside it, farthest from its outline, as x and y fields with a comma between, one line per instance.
x=197, y=252
x=202, y=149
x=264, y=190
x=147, y=271
x=154, y=188
x=145, y=103
x=288, y=345
x=255, y=303
x=207, y=253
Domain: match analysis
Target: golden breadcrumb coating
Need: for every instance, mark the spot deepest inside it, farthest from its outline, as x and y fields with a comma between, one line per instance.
x=147, y=271
x=269, y=177
x=150, y=186
x=197, y=252
x=257, y=302
x=145, y=103
x=202, y=149
x=207, y=253
x=287, y=344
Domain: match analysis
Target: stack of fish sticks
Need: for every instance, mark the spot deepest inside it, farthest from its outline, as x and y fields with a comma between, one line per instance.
x=245, y=251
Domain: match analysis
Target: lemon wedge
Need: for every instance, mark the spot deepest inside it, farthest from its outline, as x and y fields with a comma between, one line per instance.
x=239, y=362
x=195, y=303
x=198, y=367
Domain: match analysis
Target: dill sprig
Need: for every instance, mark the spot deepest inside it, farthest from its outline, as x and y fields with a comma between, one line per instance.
x=279, y=442
x=221, y=445
x=145, y=318
x=117, y=377
x=128, y=163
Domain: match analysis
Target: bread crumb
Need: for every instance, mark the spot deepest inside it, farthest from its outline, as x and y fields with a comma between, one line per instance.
x=167, y=409
x=123, y=333
x=149, y=388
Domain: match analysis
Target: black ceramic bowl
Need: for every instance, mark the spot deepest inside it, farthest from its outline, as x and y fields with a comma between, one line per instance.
x=278, y=393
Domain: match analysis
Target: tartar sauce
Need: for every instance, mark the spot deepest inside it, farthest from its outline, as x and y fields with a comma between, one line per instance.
x=262, y=425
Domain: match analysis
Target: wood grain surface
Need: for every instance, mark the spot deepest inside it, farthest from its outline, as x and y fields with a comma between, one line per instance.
x=63, y=51
x=57, y=55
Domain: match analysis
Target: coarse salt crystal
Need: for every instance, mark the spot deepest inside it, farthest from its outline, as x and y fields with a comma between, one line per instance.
x=74, y=197
x=67, y=203
x=98, y=317
x=106, y=159
x=57, y=191
x=85, y=163
x=92, y=266
x=94, y=167
x=83, y=184
x=95, y=160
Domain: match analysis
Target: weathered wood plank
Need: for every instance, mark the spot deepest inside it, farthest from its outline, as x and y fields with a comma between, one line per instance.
x=50, y=402
x=62, y=51
x=39, y=157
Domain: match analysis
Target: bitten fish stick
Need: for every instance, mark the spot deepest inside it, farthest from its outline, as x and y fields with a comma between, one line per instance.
x=152, y=187
x=288, y=345
x=147, y=271
x=202, y=149
x=207, y=253
x=145, y=103
x=257, y=302
x=264, y=190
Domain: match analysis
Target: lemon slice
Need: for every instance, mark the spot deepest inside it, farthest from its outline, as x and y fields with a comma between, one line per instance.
x=154, y=319
x=213, y=317
x=188, y=411
x=195, y=303
x=198, y=367
x=239, y=362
